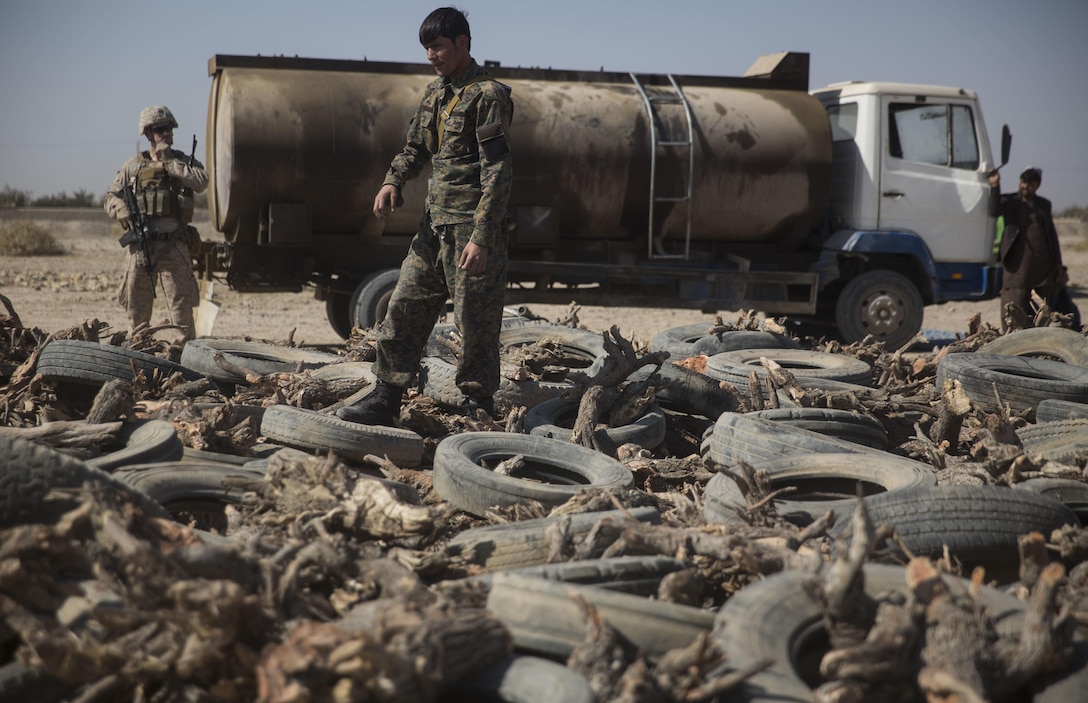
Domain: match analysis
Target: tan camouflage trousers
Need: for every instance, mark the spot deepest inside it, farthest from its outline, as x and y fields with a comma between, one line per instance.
x=429, y=276
x=175, y=285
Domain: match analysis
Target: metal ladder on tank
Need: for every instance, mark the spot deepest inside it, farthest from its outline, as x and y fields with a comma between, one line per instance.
x=651, y=102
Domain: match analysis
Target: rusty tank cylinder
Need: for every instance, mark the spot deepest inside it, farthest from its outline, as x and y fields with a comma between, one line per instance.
x=323, y=132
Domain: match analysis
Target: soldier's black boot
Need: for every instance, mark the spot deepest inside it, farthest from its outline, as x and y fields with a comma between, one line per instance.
x=380, y=407
x=485, y=403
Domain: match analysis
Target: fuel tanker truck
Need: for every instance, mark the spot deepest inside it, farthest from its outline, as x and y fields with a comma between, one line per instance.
x=858, y=203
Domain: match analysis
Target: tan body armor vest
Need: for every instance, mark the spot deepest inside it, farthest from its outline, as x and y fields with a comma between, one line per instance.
x=159, y=195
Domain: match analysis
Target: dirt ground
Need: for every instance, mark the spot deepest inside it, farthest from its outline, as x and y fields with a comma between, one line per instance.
x=57, y=292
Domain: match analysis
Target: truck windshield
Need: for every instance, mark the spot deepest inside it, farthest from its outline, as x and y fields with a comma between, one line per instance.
x=942, y=135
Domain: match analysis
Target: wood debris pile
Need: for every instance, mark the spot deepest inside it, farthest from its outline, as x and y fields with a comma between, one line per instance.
x=336, y=580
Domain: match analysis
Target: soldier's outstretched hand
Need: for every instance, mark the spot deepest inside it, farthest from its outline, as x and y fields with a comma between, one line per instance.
x=385, y=201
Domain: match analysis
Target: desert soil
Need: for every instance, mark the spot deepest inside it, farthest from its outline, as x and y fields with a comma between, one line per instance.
x=57, y=292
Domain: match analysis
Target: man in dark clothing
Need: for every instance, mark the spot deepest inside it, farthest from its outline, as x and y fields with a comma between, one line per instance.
x=1029, y=251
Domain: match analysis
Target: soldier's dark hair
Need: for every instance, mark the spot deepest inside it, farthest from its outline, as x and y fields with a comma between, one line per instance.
x=1032, y=174
x=448, y=22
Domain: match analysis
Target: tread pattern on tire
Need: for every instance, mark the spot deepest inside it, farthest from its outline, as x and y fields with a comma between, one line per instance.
x=315, y=431
x=564, y=469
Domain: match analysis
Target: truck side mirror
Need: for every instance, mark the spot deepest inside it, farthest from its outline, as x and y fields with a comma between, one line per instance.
x=1006, y=144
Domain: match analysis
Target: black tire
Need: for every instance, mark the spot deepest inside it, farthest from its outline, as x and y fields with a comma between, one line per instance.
x=637, y=575
x=259, y=357
x=776, y=620
x=979, y=524
x=1060, y=440
x=555, y=470
x=583, y=350
x=92, y=363
x=437, y=381
x=190, y=490
x=314, y=431
x=734, y=367
x=824, y=482
x=692, y=340
x=1053, y=409
x=521, y=679
x=1069, y=346
x=687, y=391
x=882, y=303
x=736, y=340
x=1072, y=494
x=849, y=425
x=19, y=682
x=1022, y=381
x=370, y=301
x=30, y=473
x=525, y=543
x=544, y=617
x=680, y=341
x=754, y=440
x=555, y=419
x=338, y=313
x=139, y=443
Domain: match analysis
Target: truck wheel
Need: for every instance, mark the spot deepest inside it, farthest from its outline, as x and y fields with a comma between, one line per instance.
x=882, y=303
x=370, y=301
x=338, y=311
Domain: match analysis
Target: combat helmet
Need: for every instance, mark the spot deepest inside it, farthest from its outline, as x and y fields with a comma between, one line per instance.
x=156, y=114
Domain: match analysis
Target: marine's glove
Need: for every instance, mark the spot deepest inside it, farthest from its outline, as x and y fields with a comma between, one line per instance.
x=125, y=219
x=137, y=253
x=164, y=151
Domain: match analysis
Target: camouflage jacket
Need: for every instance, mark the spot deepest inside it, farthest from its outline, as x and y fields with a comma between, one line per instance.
x=473, y=170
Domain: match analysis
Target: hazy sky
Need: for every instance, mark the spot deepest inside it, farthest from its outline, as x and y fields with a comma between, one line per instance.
x=76, y=73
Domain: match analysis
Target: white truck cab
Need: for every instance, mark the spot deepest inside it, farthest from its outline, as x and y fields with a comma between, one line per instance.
x=909, y=199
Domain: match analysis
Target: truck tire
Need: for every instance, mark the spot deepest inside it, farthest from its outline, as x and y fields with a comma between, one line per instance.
x=259, y=357
x=522, y=679
x=351, y=441
x=734, y=366
x=1053, y=409
x=1069, y=346
x=692, y=340
x=688, y=391
x=544, y=617
x=555, y=418
x=777, y=620
x=737, y=437
x=556, y=471
x=191, y=487
x=370, y=301
x=882, y=303
x=338, y=313
x=823, y=481
x=139, y=443
x=1072, y=494
x=1022, y=381
x=515, y=545
x=850, y=425
x=437, y=381
x=30, y=473
x=92, y=363
x=980, y=525
x=1061, y=440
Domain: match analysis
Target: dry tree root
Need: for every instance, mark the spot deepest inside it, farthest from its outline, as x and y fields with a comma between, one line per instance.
x=604, y=398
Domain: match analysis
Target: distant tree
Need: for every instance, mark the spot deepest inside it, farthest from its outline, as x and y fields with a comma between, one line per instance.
x=1077, y=212
x=10, y=197
x=81, y=198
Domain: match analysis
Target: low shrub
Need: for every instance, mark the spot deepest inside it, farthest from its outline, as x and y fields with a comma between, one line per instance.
x=23, y=238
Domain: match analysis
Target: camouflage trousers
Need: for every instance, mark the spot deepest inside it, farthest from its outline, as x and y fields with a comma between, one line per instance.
x=174, y=280
x=429, y=276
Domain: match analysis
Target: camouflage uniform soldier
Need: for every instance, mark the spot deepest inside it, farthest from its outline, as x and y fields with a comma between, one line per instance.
x=460, y=249
x=163, y=180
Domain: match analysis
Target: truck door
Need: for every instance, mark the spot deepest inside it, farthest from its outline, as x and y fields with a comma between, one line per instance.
x=931, y=182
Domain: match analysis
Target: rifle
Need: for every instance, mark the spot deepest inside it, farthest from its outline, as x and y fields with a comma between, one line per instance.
x=140, y=232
